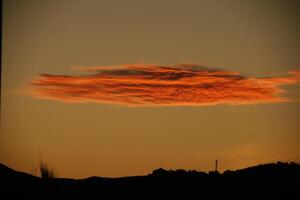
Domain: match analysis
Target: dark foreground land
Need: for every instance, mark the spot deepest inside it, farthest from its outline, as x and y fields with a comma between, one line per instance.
x=269, y=181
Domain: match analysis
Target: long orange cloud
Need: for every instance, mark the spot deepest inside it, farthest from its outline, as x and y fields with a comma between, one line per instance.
x=142, y=85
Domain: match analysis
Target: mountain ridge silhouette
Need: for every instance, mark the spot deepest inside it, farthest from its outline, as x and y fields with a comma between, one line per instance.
x=273, y=180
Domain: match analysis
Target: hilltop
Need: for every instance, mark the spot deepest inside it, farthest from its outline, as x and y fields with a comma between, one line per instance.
x=274, y=180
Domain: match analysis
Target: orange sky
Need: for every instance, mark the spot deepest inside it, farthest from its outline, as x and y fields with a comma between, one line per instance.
x=116, y=88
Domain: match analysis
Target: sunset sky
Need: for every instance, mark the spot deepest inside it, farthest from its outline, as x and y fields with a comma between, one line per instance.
x=118, y=88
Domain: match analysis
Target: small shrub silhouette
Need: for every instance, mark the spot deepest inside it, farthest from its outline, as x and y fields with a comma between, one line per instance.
x=46, y=172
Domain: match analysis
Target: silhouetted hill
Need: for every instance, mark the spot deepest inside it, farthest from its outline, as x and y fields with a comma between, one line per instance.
x=268, y=181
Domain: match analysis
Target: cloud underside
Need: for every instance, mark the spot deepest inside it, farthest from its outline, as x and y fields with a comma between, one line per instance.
x=143, y=85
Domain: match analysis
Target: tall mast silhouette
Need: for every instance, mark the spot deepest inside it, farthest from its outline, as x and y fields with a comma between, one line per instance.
x=216, y=166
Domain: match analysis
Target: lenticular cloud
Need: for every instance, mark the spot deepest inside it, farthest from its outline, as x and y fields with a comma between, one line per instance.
x=150, y=85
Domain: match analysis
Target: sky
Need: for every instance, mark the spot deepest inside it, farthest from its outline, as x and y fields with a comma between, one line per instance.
x=119, y=88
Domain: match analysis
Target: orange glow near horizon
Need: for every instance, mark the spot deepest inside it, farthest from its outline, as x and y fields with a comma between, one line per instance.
x=151, y=85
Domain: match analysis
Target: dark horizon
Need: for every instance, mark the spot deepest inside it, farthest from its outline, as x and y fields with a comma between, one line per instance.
x=214, y=170
x=274, y=180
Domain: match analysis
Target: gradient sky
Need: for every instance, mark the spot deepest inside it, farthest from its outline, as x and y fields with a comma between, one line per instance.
x=52, y=50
